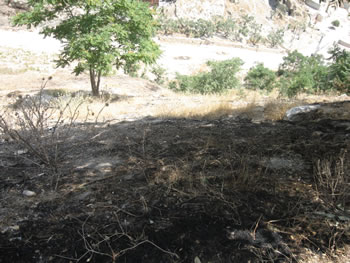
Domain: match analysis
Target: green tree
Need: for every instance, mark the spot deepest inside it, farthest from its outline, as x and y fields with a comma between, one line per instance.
x=97, y=34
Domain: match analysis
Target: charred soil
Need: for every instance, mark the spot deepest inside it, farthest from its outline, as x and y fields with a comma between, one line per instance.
x=181, y=190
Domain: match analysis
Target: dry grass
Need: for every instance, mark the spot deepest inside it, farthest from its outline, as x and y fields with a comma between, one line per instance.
x=208, y=107
x=211, y=110
x=12, y=71
x=275, y=110
x=248, y=104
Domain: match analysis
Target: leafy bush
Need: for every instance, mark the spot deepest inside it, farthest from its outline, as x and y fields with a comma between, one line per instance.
x=168, y=26
x=255, y=33
x=336, y=23
x=220, y=78
x=339, y=70
x=204, y=28
x=159, y=73
x=245, y=25
x=260, y=78
x=227, y=28
x=195, y=28
x=299, y=73
x=275, y=38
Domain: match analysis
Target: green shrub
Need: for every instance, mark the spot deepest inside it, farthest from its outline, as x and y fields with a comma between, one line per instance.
x=132, y=70
x=204, y=28
x=168, y=26
x=260, y=78
x=196, y=28
x=245, y=25
x=227, y=28
x=339, y=70
x=159, y=74
x=220, y=78
x=336, y=23
x=255, y=33
x=299, y=73
x=275, y=38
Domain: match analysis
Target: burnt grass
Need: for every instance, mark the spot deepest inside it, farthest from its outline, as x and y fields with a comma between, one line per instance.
x=180, y=190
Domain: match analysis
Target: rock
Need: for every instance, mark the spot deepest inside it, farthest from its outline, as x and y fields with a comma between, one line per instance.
x=28, y=193
x=293, y=113
x=83, y=196
x=195, y=9
x=197, y=260
x=20, y=152
x=293, y=164
x=318, y=18
x=19, y=4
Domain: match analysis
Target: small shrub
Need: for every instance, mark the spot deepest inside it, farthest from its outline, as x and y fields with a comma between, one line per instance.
x=204, y=28
x=255, y=33
x=159, y=73
x=132, y=70
x=220, y=78
x=185, y=26
x=56, y=92
x=332, y=182
x=168, y=26
x=245, y=25
x=196, y=28
x=275, y=38
x=336, y=23
x=227, y=28
x=260, y=78
x=44, y=128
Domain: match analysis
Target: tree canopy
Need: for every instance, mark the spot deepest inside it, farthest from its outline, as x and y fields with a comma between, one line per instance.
x=97, y=34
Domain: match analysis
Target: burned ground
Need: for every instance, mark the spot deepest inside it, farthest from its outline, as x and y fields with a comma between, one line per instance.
x=181, y=190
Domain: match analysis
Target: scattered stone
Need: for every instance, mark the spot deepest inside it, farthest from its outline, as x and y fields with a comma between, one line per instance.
x=83, y=195
x=197, y=260
x=28, y=193
x=20, y=152
x=290, y=164
x=183, y=58
x=317, y=134
x=318, y=18
x=19, y=4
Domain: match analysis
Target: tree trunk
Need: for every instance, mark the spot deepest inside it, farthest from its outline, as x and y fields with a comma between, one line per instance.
x=95, y=81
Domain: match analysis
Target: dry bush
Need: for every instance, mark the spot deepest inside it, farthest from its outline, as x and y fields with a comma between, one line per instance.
x=275, y=110
x=332, y=179
x=47, y=128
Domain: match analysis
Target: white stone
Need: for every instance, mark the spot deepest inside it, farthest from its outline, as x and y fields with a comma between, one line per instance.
x=29, y=193
x=290, y=114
